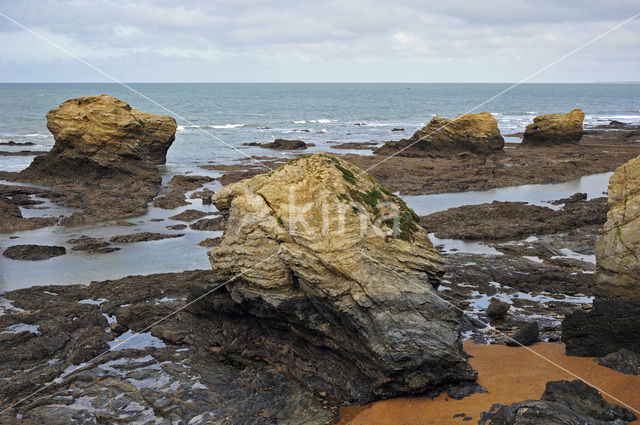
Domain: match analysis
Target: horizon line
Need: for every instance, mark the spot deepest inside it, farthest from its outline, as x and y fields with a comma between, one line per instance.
x=318, y=82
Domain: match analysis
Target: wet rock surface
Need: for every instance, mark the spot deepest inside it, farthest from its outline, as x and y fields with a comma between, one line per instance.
x=210, y=224
x=171, y=372
x=190, y=215
x=91, y=245
x=623, y=360
x=514, y=220
x=351, y=323
x=33, y=252
x=563, y=402
x=613, y=323
x=143, y=237
x=180, y=184
x=555, y=129
x=283, y=144
x=104, y=158
x=474, y=133
x=12, y=197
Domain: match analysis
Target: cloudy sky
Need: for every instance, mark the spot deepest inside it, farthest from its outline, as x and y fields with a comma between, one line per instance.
x=299, y=40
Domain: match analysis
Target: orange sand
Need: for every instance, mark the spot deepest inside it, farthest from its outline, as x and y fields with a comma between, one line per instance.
x=510, y=374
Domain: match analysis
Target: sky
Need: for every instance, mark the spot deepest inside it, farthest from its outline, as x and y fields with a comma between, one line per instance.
x=319, y=41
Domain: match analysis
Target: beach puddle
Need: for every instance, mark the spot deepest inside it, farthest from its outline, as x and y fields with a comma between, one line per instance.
x=510, y=375
x=594, y=186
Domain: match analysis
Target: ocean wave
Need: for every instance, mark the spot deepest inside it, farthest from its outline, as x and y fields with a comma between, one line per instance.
x=37, y=135
x=324, y=130
x=299, y=122
x=323, y=121
x=225, y=126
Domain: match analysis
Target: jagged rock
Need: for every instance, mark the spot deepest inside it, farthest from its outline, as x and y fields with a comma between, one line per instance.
x=497, y=309
x=143, y=237
x=615, y=319
x=563, y=402
x=623, y=360
x=210, y=242
x=612, y=324
x=555, y=128
x=33, y=252
x=190, y=215
x=104, y=157
x=618, y=247
x=523, y=333
x=210, y=224
x=91, y=245
x=476, y=133
x=345, y=300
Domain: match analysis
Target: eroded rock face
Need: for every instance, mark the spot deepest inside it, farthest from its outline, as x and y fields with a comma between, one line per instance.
x=563, y=402
x=618, y=248
x=555, y=128
x=104, y=157
x=345, y=299
x=614, y=321
x=476, y=133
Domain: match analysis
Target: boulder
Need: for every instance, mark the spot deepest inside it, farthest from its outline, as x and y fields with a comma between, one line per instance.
x=340, y=281
x=555, y=129
x=615, y=319
x=104, y=157
x=618, y=247
x=497, y=309
x=284, y=144
x=33, y=252
x=476, y=133
x=623, y=360
x=563, y=402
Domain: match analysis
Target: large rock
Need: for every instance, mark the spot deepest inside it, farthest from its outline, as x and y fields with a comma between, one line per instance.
x=618, y=247
x=615, y=319
x=563, y=402
x=344, y=299
x=104, y=157
x=476, y=133
x=555, y=128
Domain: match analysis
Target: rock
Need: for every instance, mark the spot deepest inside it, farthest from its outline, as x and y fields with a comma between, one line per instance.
x=180, y=185
x=524, y=333
x=206, y=200
x=623, y=360
x=190, y=215
x=210, y=242
x=104, y=157
x=335, y=304
x=33, y=252
x=497, y=309
x=512, y=220
x=355, y=145
x=614, y=321
x=397, y=129
x=177, y=227
x=12, y=143
x=91, y=245
x=611, y=325
x=143, y=237
x=284, y=144
x=189, y=182
x=555, y=129
x=476, y=133
x=21, y=153
x=12, y=198
x=563, y=402
x=172, y=200
x=618, y=247
x=211, y=224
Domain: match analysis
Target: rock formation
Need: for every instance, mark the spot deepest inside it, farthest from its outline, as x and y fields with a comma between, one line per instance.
x=337, y=281
x=555, y=129
x=105, y=157
x=615, y=319
x=476, y=133
x=563, y=402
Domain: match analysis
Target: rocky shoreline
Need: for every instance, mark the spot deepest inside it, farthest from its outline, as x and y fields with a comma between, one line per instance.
x=304, y=312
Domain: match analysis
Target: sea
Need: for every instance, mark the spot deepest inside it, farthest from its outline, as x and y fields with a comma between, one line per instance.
x=216, y=120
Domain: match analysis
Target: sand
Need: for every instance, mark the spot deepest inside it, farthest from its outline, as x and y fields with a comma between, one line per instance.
x=510, y=374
